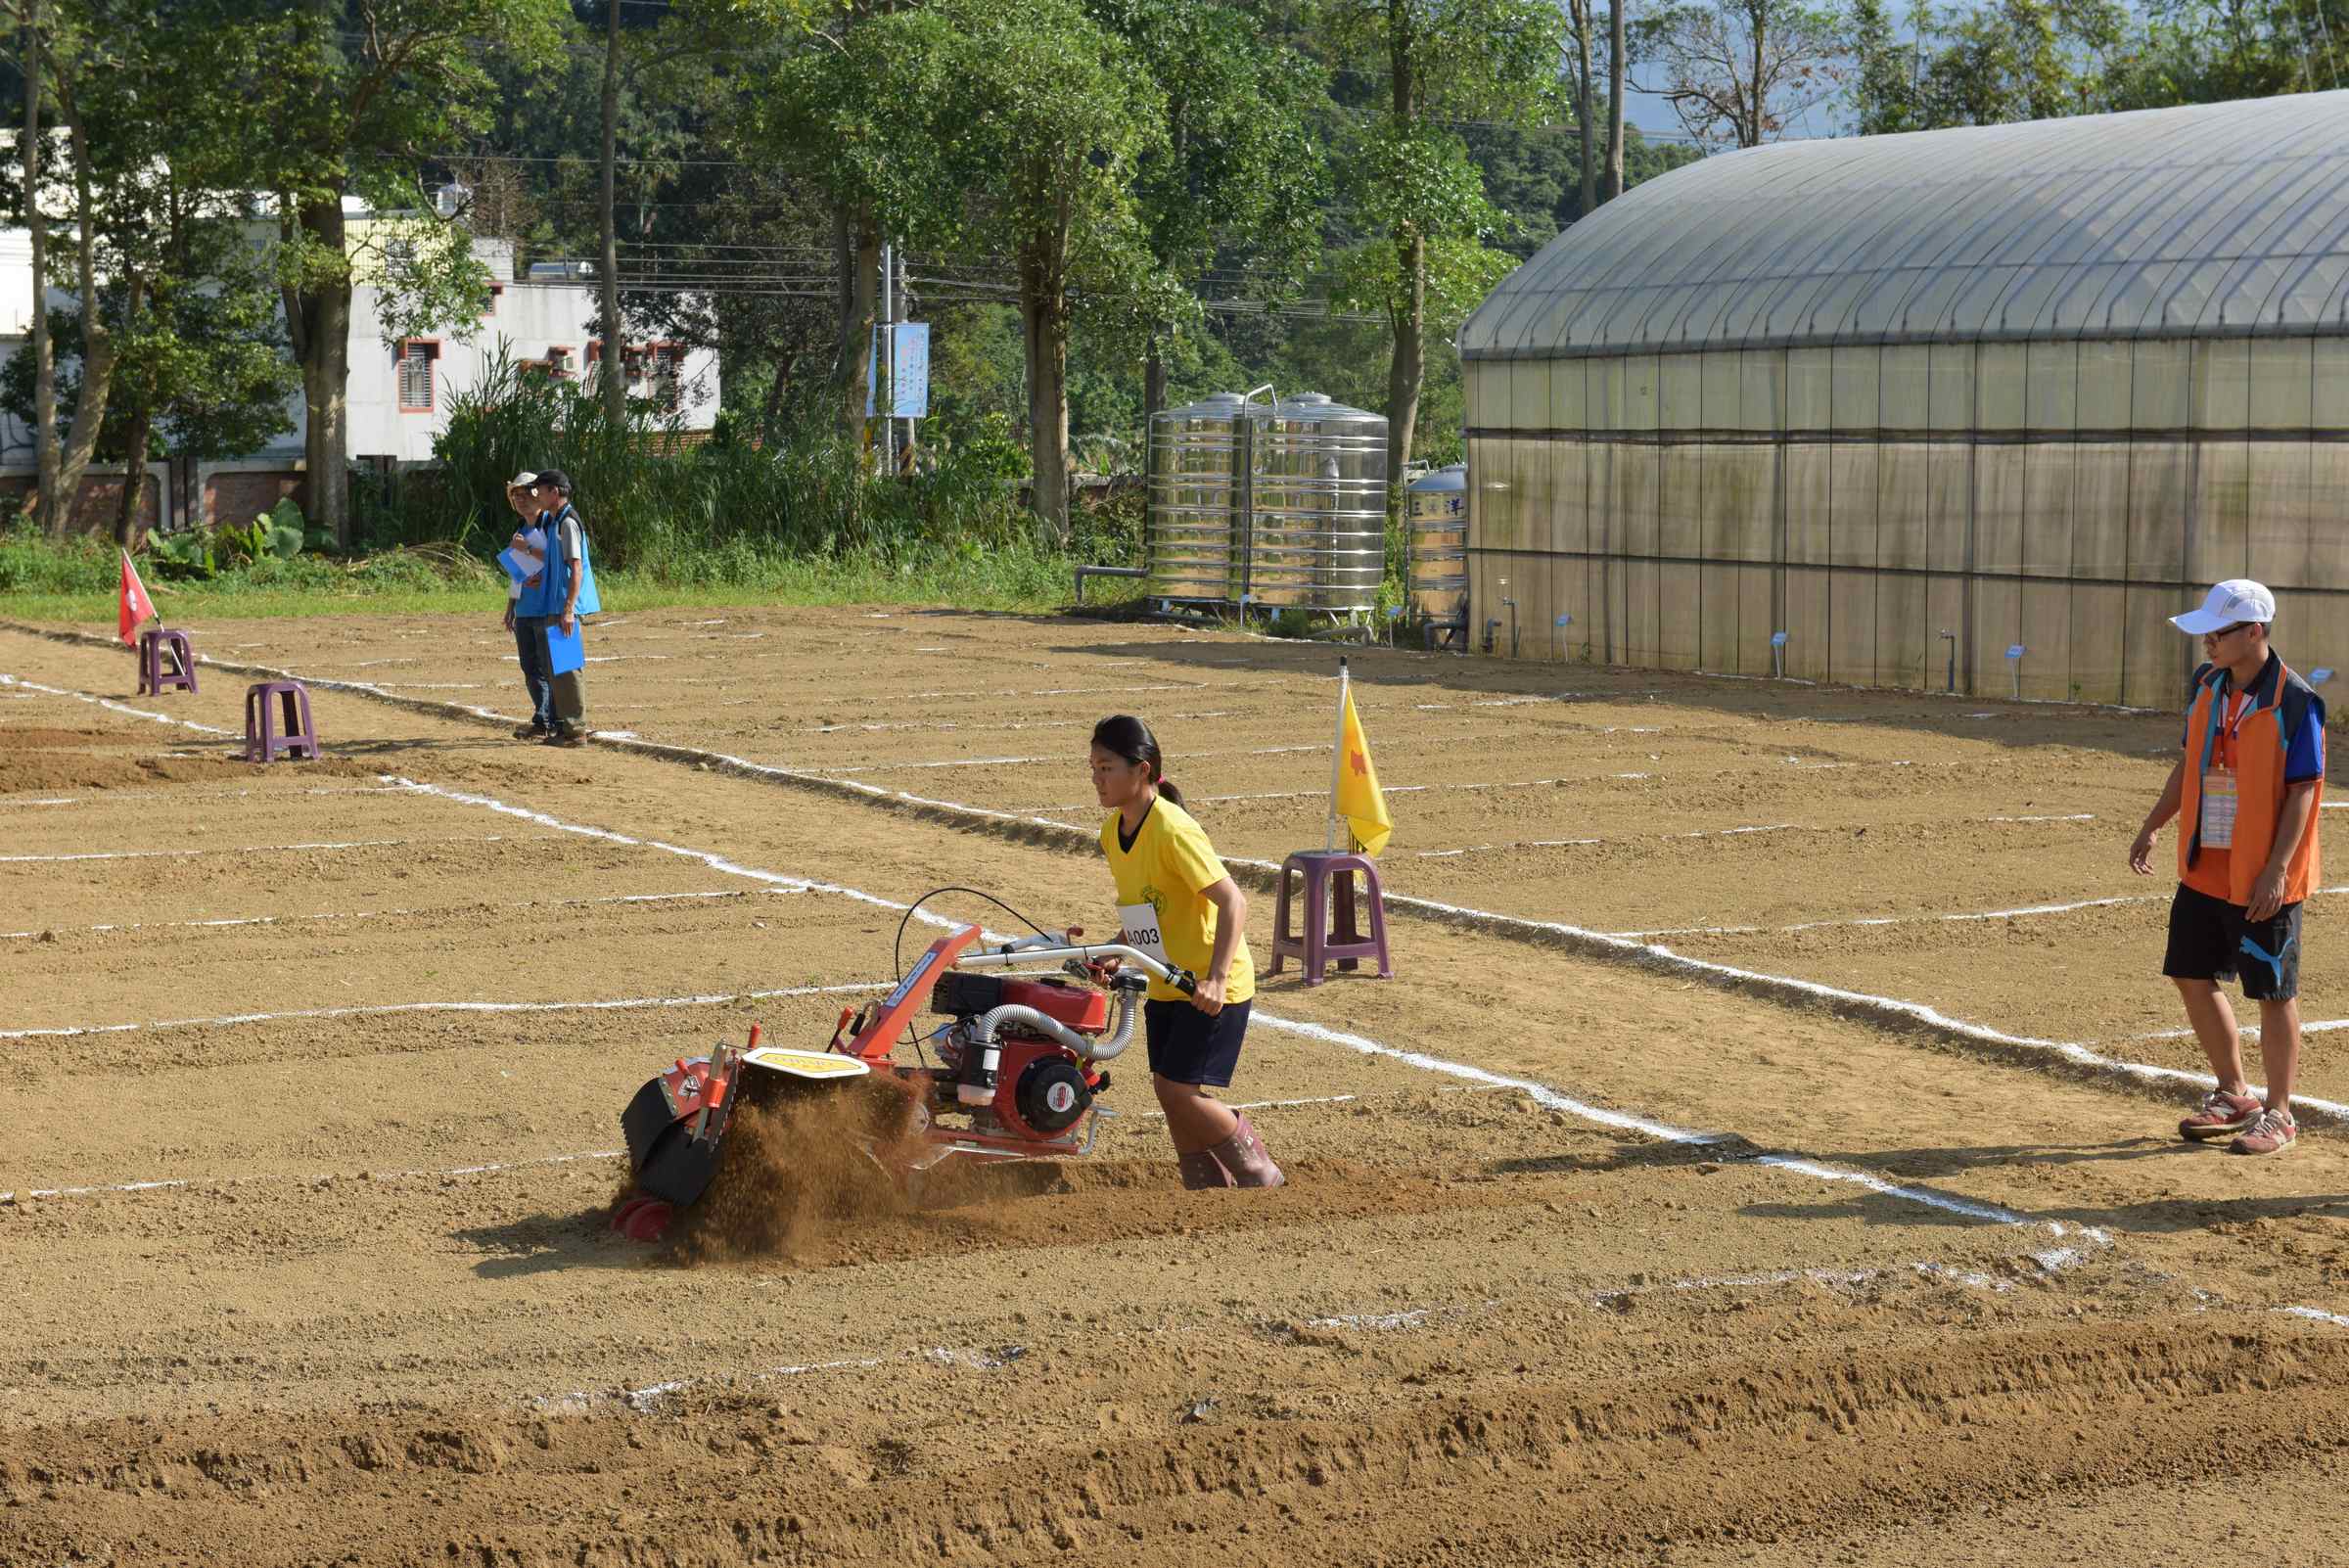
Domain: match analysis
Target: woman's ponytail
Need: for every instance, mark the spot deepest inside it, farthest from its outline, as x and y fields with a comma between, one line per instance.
x=1124, y=735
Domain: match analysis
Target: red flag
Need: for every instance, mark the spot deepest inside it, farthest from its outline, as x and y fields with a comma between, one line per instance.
x=135, y=606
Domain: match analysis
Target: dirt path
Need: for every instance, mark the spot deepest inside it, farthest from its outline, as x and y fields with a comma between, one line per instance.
x=1584, y=1259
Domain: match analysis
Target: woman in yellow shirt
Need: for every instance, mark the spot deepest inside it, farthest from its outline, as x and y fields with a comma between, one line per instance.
x=1177, y=903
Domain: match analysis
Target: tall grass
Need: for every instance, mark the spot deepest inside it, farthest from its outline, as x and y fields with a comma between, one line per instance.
x=723, y=522
x=723, y=510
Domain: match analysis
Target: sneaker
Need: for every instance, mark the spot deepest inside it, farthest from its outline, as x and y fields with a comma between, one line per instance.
x=536, y=732
x=2274, y=1132
x=2222, y=1115
x=564, y=735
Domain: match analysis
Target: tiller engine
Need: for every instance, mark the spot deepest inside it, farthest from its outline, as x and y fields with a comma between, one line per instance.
x=1018, y=1070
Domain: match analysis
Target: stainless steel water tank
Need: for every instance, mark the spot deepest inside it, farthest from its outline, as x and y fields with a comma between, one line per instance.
x=1316, y=525
x=1198, y=499
x=1439, y=523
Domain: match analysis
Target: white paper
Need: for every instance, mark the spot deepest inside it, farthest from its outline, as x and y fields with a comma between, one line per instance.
x=1138, y=925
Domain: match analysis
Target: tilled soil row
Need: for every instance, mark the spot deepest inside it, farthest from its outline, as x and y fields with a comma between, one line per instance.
x=1829, y=1438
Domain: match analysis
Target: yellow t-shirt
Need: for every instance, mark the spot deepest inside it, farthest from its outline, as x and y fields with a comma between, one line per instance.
x=1169, y=867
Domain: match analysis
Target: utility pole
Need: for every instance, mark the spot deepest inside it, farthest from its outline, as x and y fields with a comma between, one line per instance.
x=1615, y=64
x=885, y=380
x=615, y=382
x=49, y=513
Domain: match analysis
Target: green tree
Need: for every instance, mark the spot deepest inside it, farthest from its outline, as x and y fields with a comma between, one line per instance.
x=355, y=95
x=1412, y=183
x=1047, y=125
x=1239, y=176
x=1737, y=71
x=859, y=109
x=2210, y=51
x=201, y=370
x=1885, y=95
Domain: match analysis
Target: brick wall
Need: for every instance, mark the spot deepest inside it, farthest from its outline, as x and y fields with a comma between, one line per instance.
x=237, y=497
x=95, y=507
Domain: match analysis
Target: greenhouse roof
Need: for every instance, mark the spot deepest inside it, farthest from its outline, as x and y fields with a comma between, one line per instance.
x=2219, y=219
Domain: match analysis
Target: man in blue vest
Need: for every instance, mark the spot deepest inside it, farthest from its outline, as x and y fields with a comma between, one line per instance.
x=564, y=593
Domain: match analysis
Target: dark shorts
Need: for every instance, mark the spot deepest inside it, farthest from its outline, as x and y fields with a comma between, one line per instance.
x=2210, y=940
x=1187, y=1046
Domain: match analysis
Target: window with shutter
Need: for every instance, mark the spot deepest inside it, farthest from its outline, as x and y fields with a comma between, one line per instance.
x=416, y=362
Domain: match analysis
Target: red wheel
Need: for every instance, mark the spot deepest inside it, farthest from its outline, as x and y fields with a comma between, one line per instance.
x=643, y=1218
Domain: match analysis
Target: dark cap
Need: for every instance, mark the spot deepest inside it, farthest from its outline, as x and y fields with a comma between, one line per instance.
x=555, y=478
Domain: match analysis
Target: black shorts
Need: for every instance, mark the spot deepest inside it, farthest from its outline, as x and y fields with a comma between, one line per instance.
x=2210, y=940
x=1187, y=1047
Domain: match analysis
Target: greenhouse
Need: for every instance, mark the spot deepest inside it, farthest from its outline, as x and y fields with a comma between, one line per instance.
x=1974, y=407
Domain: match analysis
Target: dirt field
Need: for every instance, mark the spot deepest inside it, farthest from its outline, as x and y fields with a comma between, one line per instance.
x=1759, y=1157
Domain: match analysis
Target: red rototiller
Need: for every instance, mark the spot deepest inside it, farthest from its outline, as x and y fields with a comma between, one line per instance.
x=1018, y=1070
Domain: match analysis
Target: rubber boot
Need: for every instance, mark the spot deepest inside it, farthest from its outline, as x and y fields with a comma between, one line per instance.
x=1243, y=1155
x=1201, y=1170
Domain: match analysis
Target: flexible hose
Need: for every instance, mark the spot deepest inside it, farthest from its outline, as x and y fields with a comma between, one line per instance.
x=1099, y=1050
x=990, y=1056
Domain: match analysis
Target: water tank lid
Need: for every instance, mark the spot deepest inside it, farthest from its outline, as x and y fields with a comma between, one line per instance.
x=1322, y=408
x=1452, y=477
x=1215, y=405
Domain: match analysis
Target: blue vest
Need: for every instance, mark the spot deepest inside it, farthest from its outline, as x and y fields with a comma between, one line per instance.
x=554, y=580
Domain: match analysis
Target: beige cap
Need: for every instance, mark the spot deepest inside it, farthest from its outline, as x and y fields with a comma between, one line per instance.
x=522, y=481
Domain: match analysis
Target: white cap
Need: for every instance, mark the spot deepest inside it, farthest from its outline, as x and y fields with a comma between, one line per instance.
x=521, y=480
x=2237, y=599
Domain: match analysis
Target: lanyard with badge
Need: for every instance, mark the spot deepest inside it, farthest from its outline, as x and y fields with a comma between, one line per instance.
x=2220, y=794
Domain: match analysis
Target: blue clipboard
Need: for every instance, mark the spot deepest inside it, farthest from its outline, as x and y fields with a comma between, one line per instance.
x=517, y=569
x=565, y=654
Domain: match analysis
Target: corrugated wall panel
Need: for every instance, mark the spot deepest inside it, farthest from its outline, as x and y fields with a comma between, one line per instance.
x=1904, y=631
x=1852, y=626
x=2157, y=656
x=2289, y=544
x=2044, y=629
x=1999, y=509
x=1809, y=511
x=1997, y=625
x=1809, y=623
x=1757, y=594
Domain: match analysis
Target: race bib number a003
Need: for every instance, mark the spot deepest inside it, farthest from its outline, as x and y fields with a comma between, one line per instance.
x=1138, y=928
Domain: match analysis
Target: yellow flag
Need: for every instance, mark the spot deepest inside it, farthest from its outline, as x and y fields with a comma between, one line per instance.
x=1360, y=800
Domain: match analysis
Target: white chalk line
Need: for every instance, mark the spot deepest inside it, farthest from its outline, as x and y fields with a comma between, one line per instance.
x=1888, y=1007
x=109, y=796
x=379, y=1009
x=1913, y=1010
x=956, y=724
x=115, y=706
x=1056, y=760
x=1543, y=1096
x=1710, y=833
x=1883, y=1005
x=246, y=849
x=2021, y=912
x=210, y=1183
x=387, y=914
x=1468, y=788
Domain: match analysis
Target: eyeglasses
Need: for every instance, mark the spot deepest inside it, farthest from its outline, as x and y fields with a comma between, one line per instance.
x=2229, y=631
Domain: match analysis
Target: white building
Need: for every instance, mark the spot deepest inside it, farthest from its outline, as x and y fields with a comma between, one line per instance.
x=399, y=394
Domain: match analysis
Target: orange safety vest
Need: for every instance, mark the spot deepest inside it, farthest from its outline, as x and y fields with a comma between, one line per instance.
x=2281, y=703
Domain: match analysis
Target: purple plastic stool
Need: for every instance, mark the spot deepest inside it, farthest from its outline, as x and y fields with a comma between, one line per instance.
x=265, y=740
x=153, y=676
x=1319, y=945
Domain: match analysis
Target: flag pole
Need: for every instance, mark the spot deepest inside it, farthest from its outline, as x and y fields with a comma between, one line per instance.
x=1337, y=758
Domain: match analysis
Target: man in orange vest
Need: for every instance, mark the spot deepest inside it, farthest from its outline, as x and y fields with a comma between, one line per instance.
x=2248, y=786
